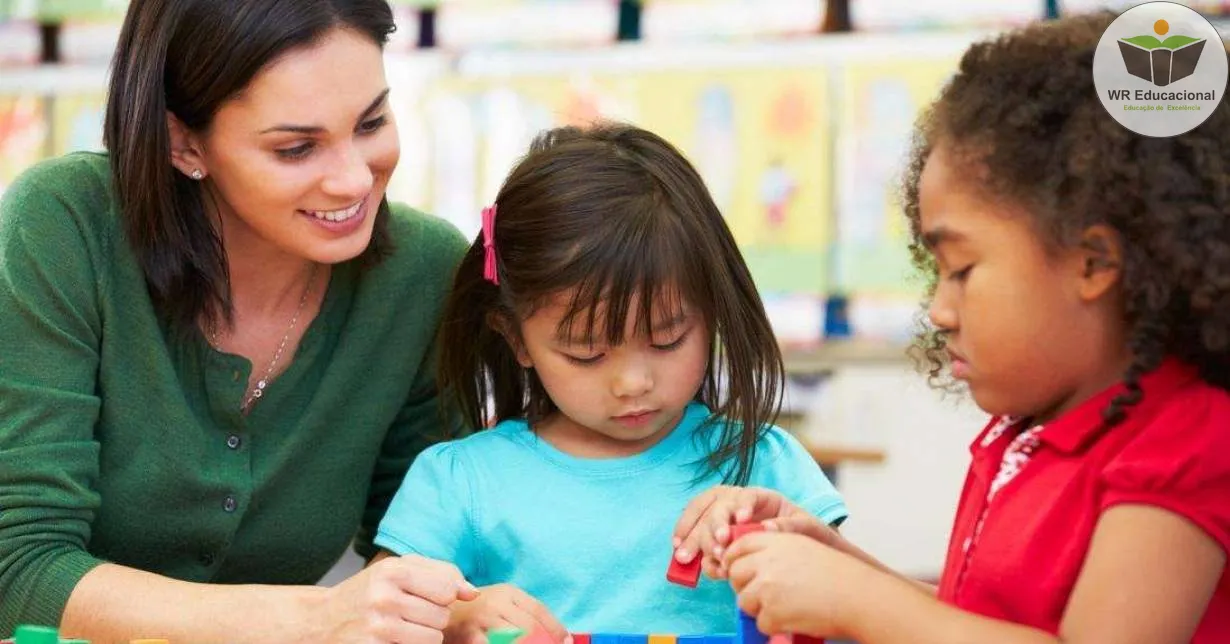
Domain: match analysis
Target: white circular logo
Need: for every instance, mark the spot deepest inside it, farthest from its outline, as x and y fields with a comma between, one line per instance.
x=1160, y=69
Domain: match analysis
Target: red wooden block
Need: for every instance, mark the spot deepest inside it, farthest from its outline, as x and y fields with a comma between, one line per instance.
x=807, y=639
x=580, y=638
x=684, y=574
x=537, y=636
x=740, y=529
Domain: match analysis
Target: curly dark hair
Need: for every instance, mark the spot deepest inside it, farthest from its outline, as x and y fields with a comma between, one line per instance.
x=1023, y=111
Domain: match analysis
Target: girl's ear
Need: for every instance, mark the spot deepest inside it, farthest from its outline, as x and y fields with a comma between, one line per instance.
x=500, y=324
x=1101, y=254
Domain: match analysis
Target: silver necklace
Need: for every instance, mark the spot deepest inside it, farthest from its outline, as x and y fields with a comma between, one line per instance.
x=258, y=389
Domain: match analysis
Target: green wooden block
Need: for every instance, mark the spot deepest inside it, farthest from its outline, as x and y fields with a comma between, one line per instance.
x=504, y=635
x=27, y=634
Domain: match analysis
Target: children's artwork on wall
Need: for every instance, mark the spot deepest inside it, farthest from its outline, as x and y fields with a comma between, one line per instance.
x=24, y=135
x=481, y=126
x=715, y=144
x=77, y=122
x=882, y=101
x=760, y=139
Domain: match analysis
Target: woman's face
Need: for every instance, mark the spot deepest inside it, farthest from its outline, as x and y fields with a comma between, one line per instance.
x=298, y=162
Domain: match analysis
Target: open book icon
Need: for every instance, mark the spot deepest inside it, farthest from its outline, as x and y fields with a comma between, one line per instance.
x=1161, y=62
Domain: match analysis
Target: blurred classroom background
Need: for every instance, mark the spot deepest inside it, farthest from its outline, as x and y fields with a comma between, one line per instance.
x=796, y=112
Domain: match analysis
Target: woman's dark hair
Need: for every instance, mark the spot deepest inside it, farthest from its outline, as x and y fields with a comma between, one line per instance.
x=619, y=215
x=1023, y=112
x=188, y=57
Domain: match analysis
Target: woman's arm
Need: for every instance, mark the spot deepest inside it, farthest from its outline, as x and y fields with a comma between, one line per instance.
x=405, y=599
x=115, y=603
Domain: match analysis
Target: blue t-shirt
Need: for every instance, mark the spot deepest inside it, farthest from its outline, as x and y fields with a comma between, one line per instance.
x=590, y=538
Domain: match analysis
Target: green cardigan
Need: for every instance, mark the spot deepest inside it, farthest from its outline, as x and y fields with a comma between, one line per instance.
x=120, y=443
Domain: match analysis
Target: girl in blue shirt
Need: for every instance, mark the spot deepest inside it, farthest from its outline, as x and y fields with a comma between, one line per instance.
x=606, y=328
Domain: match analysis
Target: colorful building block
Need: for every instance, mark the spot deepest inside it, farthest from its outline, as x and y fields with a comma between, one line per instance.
x=504, y=635
x=604, y=638
x=687, y=574
x=537, y=636
x=787, y=638
x=661, y=639
x=581, y=638
x=748, y=632
x=740, y=529
x=27, y=634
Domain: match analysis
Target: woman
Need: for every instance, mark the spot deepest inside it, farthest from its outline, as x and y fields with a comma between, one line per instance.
x=214, y=341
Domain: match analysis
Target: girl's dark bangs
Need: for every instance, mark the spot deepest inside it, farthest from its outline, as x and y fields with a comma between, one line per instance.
x=643, y=266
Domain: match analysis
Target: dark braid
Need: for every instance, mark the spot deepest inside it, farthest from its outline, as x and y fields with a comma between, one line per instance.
x=1148, y=351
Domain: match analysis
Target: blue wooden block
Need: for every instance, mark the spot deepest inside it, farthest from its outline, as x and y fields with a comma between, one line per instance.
x=691, y=639
x=748, y=633
x=721, y=638
x=604, y=638
x=634, y=638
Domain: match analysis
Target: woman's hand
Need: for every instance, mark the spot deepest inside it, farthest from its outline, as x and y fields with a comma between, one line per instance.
x=704, y=527
x=501, y=606
x=406, y=599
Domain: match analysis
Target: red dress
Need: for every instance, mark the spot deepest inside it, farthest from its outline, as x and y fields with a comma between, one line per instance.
x=1033, y=496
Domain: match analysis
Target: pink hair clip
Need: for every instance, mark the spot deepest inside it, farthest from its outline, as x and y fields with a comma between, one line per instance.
x=489, y=270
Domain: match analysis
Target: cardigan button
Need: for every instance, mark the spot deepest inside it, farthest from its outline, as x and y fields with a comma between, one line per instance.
x=233, y=441
x=229, y=504
x=207, y=559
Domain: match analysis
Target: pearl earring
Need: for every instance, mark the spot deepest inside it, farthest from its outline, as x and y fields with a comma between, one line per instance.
x=197, y=174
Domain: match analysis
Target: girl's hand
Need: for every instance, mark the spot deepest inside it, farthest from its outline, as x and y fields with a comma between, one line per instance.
x=501, y=606
x=397, y=599
x=794, y=584
x=704, y=527
x=808, y=526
